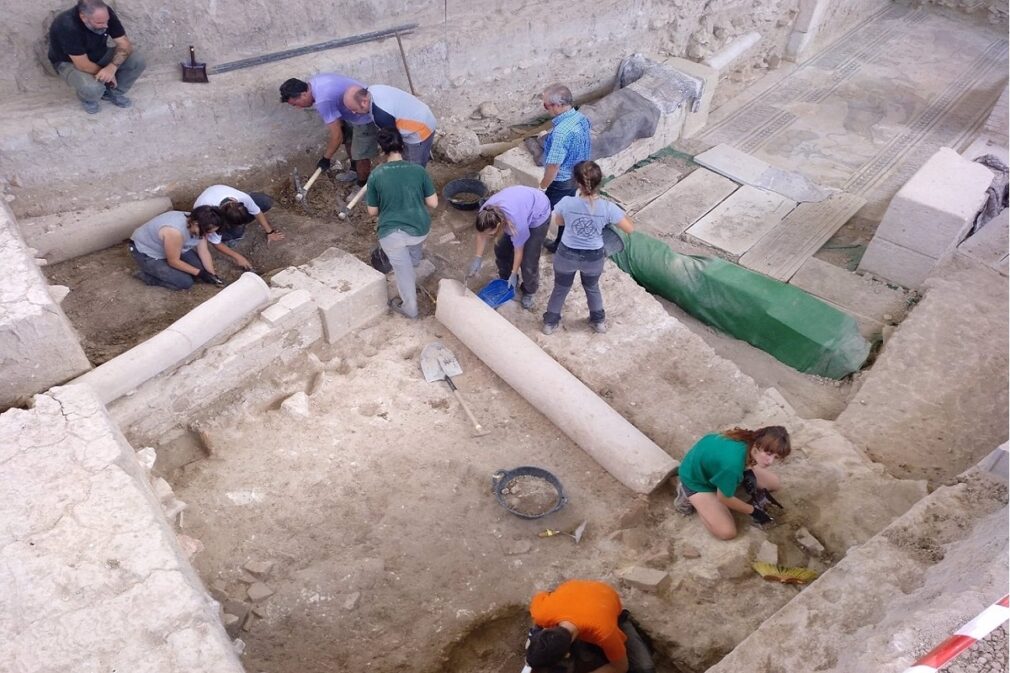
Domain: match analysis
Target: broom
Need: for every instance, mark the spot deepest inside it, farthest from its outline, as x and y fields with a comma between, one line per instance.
x=777, y=573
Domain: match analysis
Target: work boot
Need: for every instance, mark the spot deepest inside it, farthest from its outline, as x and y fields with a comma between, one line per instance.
x=347, y=176
x=549, y=328
x=526, y=301
x=117, y=98
x=681, y=503
x=396, y=306
x=599, y=327
x=91, y=107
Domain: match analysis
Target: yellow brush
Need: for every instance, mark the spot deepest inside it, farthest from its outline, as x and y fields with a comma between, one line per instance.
x=775, y=573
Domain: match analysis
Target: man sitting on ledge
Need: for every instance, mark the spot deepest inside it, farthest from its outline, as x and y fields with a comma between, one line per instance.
x=78, y=49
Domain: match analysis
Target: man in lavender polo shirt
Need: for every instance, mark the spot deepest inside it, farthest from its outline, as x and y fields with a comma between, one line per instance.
x=522, y=215
x=357, y=131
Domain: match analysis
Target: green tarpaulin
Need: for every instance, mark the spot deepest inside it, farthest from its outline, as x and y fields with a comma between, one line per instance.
x=784, y=321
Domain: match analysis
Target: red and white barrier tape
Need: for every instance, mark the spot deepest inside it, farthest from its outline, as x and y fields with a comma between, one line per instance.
x=985, y=623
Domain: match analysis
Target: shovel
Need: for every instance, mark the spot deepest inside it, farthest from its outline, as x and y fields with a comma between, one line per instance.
x=193, y=71
x=439, y=364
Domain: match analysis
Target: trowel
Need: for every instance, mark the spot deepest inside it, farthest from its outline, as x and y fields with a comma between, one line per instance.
x=576, y=534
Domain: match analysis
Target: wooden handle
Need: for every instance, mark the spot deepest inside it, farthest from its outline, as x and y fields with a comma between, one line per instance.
x=478, y=429
x=192, y=55
x=357, y=198
x=315, y=176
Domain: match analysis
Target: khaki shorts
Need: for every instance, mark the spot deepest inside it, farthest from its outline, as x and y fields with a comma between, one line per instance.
x=363, y=142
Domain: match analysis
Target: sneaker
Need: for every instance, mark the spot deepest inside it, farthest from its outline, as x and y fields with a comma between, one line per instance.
x=396, y=306
x=347, y=176
x=526, y=301
x=599, y=327
x=90, y=106
x=549, y=328
x=681, y=502
x=117, y=99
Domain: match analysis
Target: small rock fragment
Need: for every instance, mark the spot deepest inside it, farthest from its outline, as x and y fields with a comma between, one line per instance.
x=296, y=405
x=809, y=543
x=162, y=489
x=646, y=579
x=690, y=551
x=259, y=568
x=258, y=592
x=318, y=381
x=58, y=293
x=351, y=601
x=190, y=546
x=238, y=645
x=519, y=547
x=147, y=457
x=635, y=514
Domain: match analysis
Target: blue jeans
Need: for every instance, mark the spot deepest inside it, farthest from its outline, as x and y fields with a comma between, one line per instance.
x=90, y=89
x=157, y=271
x=556, y=191
x=589, y=265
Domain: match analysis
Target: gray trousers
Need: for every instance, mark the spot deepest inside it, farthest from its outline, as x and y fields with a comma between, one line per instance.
x=419, y=153
x=404, y=252
x=90, y=89
x=589, y=265
x=504, y=254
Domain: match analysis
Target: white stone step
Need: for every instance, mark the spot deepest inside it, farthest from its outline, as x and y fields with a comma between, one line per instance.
x=636, y=189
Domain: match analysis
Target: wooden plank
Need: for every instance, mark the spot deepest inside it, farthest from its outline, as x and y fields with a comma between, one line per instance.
x=783, y=250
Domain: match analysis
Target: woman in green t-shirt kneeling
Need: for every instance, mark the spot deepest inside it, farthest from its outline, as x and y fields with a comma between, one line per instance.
x=716, y=466
x=401, y=193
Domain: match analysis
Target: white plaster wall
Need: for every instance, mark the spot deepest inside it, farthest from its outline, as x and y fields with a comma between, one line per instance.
x=38, y=346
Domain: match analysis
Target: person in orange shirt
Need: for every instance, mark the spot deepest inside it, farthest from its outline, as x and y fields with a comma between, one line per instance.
x=585, y=619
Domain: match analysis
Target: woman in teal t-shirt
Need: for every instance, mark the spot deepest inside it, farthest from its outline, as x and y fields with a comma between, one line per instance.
x=714, y=468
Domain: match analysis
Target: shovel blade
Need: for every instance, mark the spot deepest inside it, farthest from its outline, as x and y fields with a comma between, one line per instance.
x=437, y=362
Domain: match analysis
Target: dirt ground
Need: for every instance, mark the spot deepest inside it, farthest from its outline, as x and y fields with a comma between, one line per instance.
x=113, y=311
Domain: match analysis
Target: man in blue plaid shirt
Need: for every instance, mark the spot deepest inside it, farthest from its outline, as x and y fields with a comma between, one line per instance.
x=567, y=144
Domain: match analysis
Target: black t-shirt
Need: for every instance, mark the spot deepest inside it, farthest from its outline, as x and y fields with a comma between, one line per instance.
x=68, y=36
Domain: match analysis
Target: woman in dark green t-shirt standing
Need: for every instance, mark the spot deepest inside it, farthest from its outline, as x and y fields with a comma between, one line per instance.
x=714, y=468
x=401, y=193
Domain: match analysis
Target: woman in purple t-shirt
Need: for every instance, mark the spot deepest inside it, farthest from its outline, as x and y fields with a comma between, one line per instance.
x=522, y=215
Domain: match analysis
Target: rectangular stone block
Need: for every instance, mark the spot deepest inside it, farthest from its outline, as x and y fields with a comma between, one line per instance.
x=896, y=264
x=935, y=209
x=858, y=295
x=740, y=221
x=749, y=170
x=684, y=204
x=695, y=121
x=347, y=291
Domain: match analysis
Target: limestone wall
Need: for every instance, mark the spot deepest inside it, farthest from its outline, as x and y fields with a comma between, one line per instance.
x=94, y=577
x=38, y=347
x=179, y=136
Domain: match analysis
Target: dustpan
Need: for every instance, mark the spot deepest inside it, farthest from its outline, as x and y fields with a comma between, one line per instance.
x=496, y=293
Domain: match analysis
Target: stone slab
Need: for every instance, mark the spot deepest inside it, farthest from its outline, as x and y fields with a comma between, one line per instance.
x=739, y=222
x=687, y=202
x=858, y=295
x=749, y=170
x=783, y=251
x=637, y=188
x=936, y=208
x=997, y=463
x=63, y=236
x=95, y=577
x=991, y=243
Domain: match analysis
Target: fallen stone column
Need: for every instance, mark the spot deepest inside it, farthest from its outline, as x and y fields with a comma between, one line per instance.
x=179, y=340
x=618, y=446
x=63, y=236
